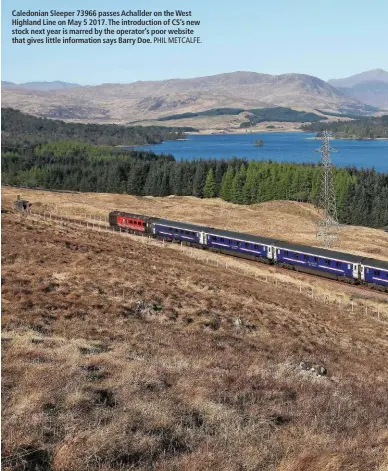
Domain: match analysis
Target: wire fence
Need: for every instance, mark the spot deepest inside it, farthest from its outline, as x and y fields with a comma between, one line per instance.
x=360, y=306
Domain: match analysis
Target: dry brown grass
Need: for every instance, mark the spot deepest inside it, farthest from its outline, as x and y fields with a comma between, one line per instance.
x=287, y=220
x=118, y=355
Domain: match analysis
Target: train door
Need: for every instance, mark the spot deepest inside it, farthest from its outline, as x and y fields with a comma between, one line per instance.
x=202, y=238
x=355, y=270
x=270, y=251
x=362, y=272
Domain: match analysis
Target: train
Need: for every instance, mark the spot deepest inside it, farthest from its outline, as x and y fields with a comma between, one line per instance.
x=340, y=266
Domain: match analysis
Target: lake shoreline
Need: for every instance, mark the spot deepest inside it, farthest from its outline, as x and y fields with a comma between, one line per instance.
x=295, y=147
x=211, y=132
x=350, y=139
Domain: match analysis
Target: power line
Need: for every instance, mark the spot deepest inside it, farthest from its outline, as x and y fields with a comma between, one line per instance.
x=327, y=226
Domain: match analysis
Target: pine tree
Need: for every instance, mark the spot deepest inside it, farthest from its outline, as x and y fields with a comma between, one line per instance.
x=226, y=184
x=221, y=167
x=237, y=194
x=199, y=179
x=209, y=190
x=250, y=187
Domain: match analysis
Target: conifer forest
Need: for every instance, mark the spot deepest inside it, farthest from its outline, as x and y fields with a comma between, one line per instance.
x=38, y=160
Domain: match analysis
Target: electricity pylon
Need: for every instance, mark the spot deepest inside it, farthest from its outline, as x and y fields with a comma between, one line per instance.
x=327, y=225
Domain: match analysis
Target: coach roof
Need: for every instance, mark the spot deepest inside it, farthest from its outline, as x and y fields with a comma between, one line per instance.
x=372, y=262
x=334, y=255
x=181, y=225
x=240, y=236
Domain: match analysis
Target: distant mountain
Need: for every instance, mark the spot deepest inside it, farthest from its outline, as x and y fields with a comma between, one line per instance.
x=369, y=87
x=42, y=86
x=155, y=99
x=375, y=75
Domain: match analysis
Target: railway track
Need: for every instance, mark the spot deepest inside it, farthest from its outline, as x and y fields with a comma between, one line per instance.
x=360, y=291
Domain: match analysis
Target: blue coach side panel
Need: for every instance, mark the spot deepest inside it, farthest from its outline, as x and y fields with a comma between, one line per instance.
x=337, y=264
x=375, y=272
x=173, y=230
x=240, y=244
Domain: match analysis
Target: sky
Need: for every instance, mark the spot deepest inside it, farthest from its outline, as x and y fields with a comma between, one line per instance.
x=330, y=39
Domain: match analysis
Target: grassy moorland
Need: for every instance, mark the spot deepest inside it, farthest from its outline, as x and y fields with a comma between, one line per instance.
x=118, y=355
x=286, y=220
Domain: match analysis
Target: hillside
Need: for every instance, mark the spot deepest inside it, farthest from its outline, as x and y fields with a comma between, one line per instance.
x=23, y=131
x=276, y=219
x=369, y=87
x=70, y=165
x=362, y=128
x=150, y=100
x=42, y=86
x=375, y=75
x=121, y=354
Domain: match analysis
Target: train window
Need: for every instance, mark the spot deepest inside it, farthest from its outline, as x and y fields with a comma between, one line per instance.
x=222, y=239
x=256, y=247
x=316, y=259
x=377, y=272
x=286, y=253
x=306, y=257
x=296, y=255
x=327, y=261
x=339, y=264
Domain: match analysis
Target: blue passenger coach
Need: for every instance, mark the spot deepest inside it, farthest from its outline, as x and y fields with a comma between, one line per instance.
x=336, y=265
x=178, y=231
x=239, y=244
x=374, y=272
